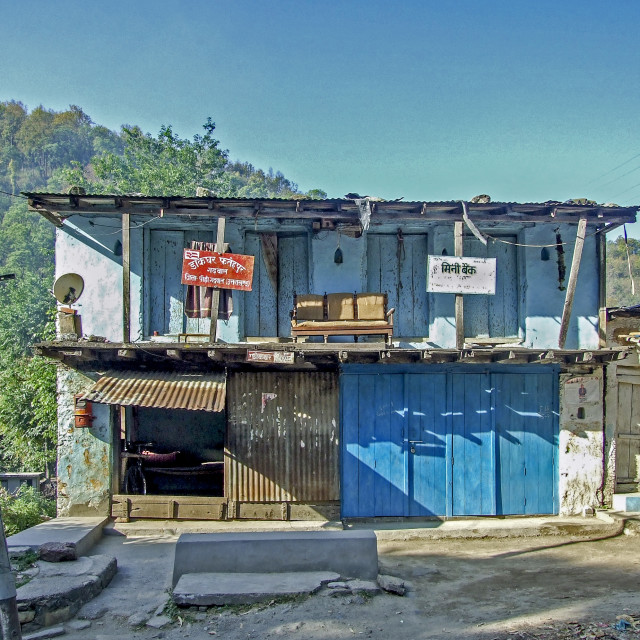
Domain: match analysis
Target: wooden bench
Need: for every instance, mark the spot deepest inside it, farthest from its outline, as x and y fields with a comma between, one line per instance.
x=341, y=314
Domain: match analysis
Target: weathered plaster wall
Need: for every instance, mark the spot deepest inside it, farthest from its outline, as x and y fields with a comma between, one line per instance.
x=84, y=455
x=85, y=248
x=326, y=275
x=544, y=299
x=581, y=443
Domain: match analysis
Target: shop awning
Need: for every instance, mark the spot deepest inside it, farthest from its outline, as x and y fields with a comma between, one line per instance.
x=161, y=390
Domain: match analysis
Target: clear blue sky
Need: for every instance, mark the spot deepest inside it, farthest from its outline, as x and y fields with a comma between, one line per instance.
x=525, y=101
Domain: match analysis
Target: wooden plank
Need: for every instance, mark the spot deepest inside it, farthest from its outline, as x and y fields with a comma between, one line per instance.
x=384, y=495
x=426, y=442
x=215, y=298
x=350, y=446
x=126, y=278
x=368, y=406
x=398, y=476
x=413, y=286
x=293, y=276
x=459, y=305
x=573, y=280
x=166, y=291
x=260, y=304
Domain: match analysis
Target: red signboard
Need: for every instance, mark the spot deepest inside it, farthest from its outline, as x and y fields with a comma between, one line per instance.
x=217, y=270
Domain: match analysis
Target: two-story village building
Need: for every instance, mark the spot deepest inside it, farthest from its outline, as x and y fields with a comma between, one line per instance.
x=477, y=405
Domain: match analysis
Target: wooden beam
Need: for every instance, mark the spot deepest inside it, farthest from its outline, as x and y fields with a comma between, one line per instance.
x=128, y=354
x=458, y=245
x=126, y=278
x=215, y=299
x=573, y=280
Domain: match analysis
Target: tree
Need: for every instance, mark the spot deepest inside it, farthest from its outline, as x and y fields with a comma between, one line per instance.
x=164, y=165
x=619, y=293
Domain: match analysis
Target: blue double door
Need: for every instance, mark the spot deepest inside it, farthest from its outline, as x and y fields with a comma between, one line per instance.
x=449, y=443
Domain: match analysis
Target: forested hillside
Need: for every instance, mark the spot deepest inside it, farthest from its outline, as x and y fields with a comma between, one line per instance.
x=44, y=150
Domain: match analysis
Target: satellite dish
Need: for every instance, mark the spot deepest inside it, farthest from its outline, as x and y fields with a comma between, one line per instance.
x=68, y=288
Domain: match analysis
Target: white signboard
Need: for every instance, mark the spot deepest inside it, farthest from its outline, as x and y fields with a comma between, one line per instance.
x=448, y=274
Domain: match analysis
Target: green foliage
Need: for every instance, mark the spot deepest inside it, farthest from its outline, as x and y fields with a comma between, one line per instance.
x=619, y=292
x=163, y=165
x=249, y=182
x=28, y=414
x=25, y=509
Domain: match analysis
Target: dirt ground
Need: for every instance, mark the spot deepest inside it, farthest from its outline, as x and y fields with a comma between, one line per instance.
x=548, y=587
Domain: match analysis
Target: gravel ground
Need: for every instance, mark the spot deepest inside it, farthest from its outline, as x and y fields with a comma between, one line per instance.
x=548, y=588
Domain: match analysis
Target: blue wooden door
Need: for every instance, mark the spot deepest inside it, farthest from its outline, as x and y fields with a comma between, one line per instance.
x=526, y=444
x=448, y=443
x=396, y=266
x=394, y=445
x=267, y=308
x=494, y=316
x=166, y=291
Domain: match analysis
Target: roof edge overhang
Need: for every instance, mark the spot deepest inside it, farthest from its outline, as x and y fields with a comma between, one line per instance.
x=202, y=357
x=57, y=207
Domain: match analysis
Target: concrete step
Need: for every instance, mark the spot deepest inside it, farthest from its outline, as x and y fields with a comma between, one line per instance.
x=628, y=502
x=81, y=532
x=352, y=554
x=207, y=589
x=59, y=589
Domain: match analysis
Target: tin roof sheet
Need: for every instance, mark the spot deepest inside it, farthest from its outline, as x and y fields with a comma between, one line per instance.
x=161, y=390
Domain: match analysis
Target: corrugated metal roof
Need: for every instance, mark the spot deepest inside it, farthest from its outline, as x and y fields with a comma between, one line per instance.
x=162, y=390
x=493, y=204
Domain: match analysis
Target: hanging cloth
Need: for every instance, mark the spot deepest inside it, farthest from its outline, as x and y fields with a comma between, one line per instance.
x=198, y=299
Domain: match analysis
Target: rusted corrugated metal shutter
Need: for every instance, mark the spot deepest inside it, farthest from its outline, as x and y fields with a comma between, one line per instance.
x=282, y=436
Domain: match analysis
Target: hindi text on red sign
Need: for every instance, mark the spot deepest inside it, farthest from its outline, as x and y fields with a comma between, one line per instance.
x=217, y=270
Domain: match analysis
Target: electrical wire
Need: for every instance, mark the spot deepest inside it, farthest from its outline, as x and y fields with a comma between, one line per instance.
x=14, y=195
x=606, y=173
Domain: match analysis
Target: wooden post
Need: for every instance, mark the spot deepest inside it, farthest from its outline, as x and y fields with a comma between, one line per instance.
x=9, y=619
x=602, y=289
x=126, y=279
x=573, y=279
x=215, y=299
x=458, y=228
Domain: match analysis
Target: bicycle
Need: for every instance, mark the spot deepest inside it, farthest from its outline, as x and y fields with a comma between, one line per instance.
x=134, y=479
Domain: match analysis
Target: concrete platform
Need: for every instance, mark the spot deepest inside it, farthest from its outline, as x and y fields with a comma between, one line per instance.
x=351, y=554
x=144, y=528
x=208, y=589
x=83, y=533
x=626, y=502
x=491, y=527
x=390, y=529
